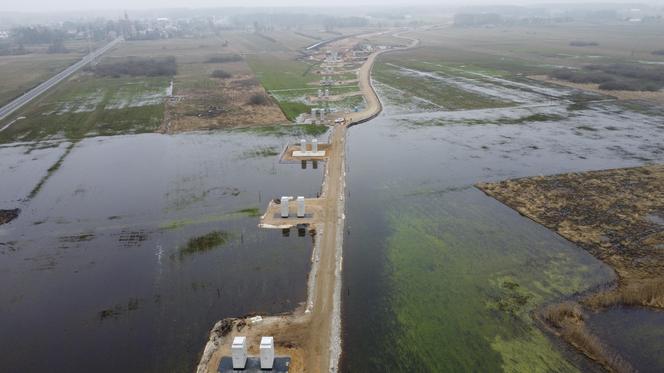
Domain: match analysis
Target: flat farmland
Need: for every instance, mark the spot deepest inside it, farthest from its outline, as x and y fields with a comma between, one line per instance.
x=21, y=73
x=545, y=46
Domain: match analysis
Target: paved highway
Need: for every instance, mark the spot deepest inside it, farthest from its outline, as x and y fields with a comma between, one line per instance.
x=43, y=87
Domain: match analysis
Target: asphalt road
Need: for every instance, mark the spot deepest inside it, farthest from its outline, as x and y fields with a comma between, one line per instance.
x=43, y=87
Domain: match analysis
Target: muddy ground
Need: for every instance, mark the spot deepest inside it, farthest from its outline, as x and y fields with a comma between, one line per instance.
x=225, y=104
x=8, y=215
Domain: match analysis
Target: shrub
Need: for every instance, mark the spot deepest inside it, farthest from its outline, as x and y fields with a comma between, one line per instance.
x=224, y=58
x=246, y=83
x=222, y=74
x=57, y=46
x=135, y=66
x=266, y=37
x=576, y=76
x=627, y=77
x=579, y=43
x=259, y=99
x=558, y=314
x=631, y=71
x=562, y=74
x=630, y=85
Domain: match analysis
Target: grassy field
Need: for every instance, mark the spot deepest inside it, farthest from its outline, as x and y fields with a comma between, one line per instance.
x=465, y=68
x=87, y=105
x=537, y=49
x=21, y=73
x=291, y=82
x=284, y=72
x=446, y=96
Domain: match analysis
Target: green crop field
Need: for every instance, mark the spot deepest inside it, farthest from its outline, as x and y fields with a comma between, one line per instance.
x=283, y=72
x=277, y=71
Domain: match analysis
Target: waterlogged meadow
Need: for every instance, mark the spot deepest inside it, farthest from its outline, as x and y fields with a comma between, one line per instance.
x=439, y=276
x=134, y=246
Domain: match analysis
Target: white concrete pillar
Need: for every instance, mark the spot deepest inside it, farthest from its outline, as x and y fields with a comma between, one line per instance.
x=303, y=145
x=314, y=145
x=239, y=352
x=284, y=207
x=300, y=207
x=267, y=352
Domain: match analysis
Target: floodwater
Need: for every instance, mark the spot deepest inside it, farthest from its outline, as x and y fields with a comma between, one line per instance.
x=636, y=332
x=97, y=272
x=439, y=277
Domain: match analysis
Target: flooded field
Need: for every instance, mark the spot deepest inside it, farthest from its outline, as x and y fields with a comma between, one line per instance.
x=440, y=277
x=135, y=246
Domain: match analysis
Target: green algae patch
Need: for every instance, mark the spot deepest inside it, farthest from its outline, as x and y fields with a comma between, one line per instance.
x=423, y=303
x=261, y=152
x=251, y=212
x=205, y=242
x=530, y=353
x=464, y=277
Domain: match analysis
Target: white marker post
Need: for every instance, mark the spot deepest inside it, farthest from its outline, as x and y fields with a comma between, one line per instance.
x=300, y=207
x=267, y=352
x=284, y=207
x=239, y=352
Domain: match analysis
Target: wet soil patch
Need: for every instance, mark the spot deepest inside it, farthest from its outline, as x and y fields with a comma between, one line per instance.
x=8, y=215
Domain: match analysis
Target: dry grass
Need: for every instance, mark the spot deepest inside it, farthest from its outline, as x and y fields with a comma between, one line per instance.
x=646, y=293
x=608, y=213
x=558, y=314
x=567, y=321
x=657, y=97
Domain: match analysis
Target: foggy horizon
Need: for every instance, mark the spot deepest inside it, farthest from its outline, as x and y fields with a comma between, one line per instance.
x=42, y=6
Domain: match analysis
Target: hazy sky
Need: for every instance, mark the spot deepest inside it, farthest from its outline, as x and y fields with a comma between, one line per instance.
x=55, y=5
